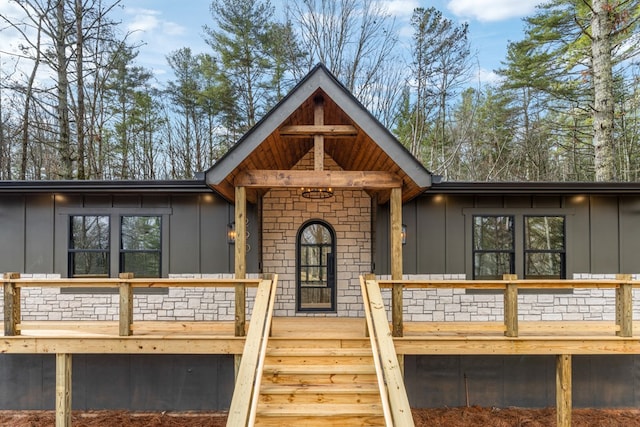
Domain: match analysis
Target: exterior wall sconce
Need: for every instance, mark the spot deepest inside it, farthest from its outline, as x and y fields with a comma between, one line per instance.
x=403, y=234
x=231, y=233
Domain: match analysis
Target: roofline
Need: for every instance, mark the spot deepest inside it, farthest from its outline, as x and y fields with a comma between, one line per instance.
x=534, y=188
x=414, y=169
x=199, y=186
x=91, y=186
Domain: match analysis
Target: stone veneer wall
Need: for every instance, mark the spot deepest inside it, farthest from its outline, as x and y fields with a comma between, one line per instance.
x=189, y=304
x=422, y=305
x=348, y=212
x=202, y=304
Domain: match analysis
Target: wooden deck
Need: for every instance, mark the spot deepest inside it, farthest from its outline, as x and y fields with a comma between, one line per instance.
x=326, y=335
x=420, y=338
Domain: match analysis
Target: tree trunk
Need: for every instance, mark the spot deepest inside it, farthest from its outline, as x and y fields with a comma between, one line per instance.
x=601, y=30
x=64, y=139
x=27, y=106
x=80, y=111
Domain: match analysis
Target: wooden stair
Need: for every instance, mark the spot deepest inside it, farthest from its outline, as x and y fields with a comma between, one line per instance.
x=304, y=384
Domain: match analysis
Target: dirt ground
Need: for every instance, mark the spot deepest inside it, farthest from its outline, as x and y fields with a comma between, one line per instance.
x=449, y=417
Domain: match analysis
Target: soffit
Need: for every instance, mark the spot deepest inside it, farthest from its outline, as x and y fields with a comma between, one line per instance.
x=370, y=147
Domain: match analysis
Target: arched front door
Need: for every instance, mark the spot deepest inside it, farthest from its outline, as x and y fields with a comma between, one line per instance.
x=316, y=272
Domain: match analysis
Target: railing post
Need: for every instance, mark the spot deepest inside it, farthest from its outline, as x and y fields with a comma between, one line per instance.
x=624, y=306
x=126, y=304
x=511, y=306
x=11, y=305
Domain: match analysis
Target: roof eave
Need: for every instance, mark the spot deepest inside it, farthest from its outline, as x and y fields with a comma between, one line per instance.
x=534, y=188
x=90, y=186
x=319, y=78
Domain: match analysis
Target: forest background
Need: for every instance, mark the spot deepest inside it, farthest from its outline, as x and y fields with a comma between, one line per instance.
x=76, y=103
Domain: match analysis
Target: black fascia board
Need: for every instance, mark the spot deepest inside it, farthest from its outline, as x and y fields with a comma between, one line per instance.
x=95, y=186
x=534, y=188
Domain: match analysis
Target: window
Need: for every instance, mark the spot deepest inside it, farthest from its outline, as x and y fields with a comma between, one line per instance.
x=89, y=247
x=493, y=246
x=316, y=268
x=530, y=243
x=544, y=247
x=97, y=249
x=140, y=245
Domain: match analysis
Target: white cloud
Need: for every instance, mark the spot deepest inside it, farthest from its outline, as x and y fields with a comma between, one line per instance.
x=400, y=8
x=144, y=20
x=487, y=76
x=148, y=21
x=492, y=10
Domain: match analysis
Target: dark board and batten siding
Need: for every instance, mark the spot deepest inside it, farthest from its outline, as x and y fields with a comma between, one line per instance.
x=522, y=381
x=603, y=237
x=603, y=232
x=130, y=382
x=35, y=230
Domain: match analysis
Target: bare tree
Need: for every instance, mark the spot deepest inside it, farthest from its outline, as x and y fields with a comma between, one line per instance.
x=355, y=39
x=440, y=67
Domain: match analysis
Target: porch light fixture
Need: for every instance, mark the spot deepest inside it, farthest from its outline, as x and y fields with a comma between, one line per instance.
x=231, y=233
x=317, y=193
x=403, y=234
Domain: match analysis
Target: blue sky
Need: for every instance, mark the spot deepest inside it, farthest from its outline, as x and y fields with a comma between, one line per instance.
x=163, y=26
x=167, y=25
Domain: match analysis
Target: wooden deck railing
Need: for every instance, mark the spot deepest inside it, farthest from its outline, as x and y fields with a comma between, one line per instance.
x=125, y=284
x=246, y=392
x=395, y=403
x=510, y=285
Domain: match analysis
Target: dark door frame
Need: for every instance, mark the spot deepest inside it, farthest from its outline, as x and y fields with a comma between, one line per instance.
x=326, y=265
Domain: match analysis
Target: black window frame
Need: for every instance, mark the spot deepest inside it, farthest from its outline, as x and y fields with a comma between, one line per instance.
x=561, y=252
x=115, y=215
x=123, y=252
x=331, y=275
x=475, y=251
x=72, y=250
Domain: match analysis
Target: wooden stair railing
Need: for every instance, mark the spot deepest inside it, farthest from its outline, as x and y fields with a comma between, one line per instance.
x=395, y=402
x=246, y=391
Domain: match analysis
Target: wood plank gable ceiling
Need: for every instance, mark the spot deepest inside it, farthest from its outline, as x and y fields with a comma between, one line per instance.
x=345, y=142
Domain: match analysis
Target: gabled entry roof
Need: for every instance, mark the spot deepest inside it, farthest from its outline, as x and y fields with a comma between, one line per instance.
x=357, y=142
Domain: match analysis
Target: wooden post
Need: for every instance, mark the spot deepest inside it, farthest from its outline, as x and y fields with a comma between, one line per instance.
x=318, y=140
x=563, y=390
x=241, y=258
x=396, y=260
x=63, y=390
x=511, y=306
x=126, y=304
x=624, y=306
x=11, y=305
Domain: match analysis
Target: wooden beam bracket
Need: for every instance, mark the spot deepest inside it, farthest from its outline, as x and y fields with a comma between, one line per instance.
x=329, y=131
x=375, y=180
